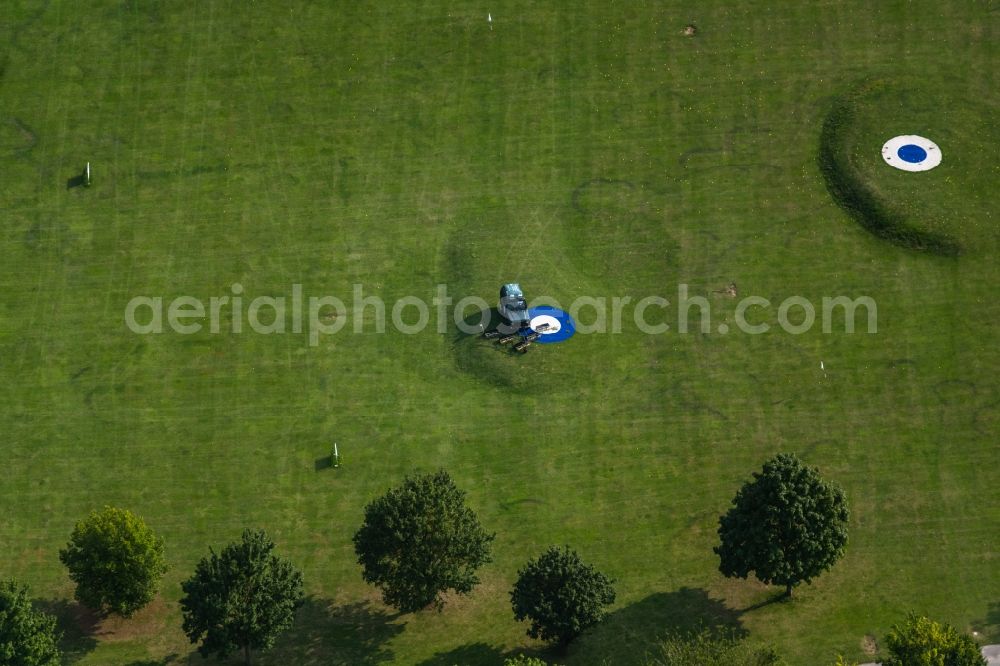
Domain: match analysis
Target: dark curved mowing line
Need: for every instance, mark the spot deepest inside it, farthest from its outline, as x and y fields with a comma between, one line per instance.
x=587, y=184
x=856, y=198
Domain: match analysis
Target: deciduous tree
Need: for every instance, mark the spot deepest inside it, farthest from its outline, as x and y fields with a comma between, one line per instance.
x=920, y=641
x=560, y=595
x=786, y=526
x=28, y=637
x=419, y=540
x=242, y=599
x=115, y=560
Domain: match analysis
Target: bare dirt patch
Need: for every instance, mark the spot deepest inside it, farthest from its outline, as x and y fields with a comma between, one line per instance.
x=729, y=291
x=148, y=621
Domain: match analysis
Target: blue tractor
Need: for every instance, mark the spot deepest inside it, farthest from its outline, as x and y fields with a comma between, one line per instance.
x=513, y=307
x=516, y=325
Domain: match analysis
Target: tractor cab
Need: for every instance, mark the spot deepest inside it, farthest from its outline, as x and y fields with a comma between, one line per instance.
x=513, y=307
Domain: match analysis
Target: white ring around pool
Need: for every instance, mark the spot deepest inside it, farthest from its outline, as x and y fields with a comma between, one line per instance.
x=553, y=323
x=892, y=157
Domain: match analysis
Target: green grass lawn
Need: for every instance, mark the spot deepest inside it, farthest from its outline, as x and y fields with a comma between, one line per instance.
x=584, y=151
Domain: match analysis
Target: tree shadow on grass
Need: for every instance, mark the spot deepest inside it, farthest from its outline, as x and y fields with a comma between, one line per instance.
x=628, y=635
x=481, y=654
x=355, y=634
x=780, y=597
x=474, y=654
x=79, y=625
x=989, y=626
x=166, y=661
x=993, y=614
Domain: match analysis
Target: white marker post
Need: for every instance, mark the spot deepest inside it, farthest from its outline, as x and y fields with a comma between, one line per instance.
x=489, y=19
x=86, y=176
x=335, y=458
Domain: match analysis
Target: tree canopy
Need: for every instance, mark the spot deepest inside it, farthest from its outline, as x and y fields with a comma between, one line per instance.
x=786, y=526
x=241, y=599
x=28, y=637
x=920, y=641
x=560, y=595
x=115, y=560
x=419, y=540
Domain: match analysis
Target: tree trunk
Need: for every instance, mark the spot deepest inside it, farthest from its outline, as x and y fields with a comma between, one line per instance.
x=246, y=655
x=788, y=591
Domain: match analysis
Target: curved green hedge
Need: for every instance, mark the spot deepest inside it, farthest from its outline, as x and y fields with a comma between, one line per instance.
x=848, y=188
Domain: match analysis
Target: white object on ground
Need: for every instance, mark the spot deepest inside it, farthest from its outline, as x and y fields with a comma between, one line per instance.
x=905, y=159
x=553, y=323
